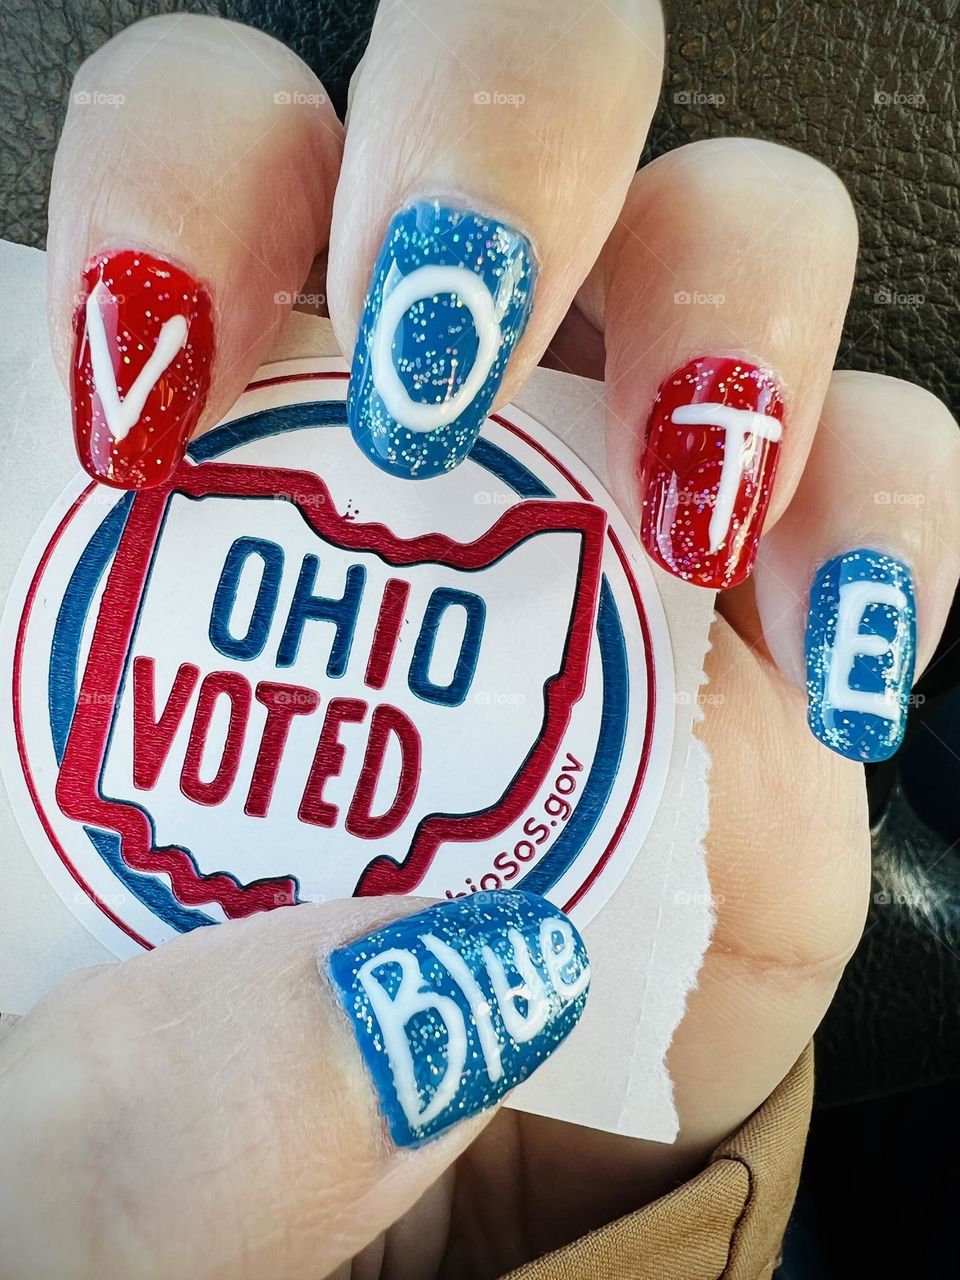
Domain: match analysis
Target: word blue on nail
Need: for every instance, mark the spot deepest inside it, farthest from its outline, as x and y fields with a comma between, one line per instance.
x=860, y=650
x=456, y=1005
x=449, y=298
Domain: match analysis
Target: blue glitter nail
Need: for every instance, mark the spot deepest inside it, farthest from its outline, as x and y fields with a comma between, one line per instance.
x=458, y=1004
x=449, y=298
x=860, y=648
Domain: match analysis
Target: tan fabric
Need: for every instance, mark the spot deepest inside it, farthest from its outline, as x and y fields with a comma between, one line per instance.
x=728, y=1221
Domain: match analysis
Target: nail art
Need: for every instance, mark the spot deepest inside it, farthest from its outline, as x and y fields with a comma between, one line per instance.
x=707, y=469
x=860, y=649
x=458, y=1004
x=449, y=298
x=143, y=346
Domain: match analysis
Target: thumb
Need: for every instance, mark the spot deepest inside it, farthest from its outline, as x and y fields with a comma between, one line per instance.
x=254, y=1099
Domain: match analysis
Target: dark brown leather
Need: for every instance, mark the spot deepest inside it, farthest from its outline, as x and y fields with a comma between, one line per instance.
x=43, y=42
x=867, y=89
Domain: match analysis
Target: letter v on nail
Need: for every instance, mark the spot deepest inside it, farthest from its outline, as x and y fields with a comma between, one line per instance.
x=123, y=415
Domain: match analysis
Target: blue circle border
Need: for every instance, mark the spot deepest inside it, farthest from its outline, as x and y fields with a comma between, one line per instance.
x=63, y=675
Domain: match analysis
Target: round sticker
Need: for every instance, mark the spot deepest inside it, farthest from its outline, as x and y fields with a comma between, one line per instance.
x=287, y=676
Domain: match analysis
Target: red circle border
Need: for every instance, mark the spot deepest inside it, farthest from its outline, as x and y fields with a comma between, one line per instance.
x=264, y=383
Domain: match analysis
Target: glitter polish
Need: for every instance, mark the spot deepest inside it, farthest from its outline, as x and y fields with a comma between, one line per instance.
x=860, y=647
x=707, y=469
x=449, y=298
x=142, y=351
x=458, y=1004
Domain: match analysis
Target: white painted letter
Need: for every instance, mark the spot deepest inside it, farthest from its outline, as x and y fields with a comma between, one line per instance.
x=456, y=966
x=849, y=644
x=522, y=1027
x=394, y=1013
x=556, y=960
x=123, y=416
x=399, y=295
x=737, y=425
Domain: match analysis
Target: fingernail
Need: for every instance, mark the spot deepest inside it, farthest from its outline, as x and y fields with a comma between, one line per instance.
x=712, y=447
x=861, y=648
x=458, y=1004
x=142, y=350
x=449, y=298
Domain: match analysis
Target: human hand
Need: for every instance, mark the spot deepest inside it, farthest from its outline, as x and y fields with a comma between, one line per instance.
x=215, y=1084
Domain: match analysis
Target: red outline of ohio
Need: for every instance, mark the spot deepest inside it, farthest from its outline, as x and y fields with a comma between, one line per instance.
x=77, y=789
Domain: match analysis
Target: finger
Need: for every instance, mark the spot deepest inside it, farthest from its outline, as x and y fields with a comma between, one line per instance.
x=232, y=1104
x=788, y=856
x=489, y=150
x=192, y=187
x=721, y=294
x=861, y=570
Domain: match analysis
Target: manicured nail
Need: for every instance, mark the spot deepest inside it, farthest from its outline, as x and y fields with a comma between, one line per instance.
x=142, y=350
x=456, y=1005
x=707, y=470
x=861, y=647
x=449, y=298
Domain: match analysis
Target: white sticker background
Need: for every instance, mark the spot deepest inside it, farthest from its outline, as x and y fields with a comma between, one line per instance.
x=470, y=753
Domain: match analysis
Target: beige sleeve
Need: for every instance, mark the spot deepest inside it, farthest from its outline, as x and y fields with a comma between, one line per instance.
x=726, y=1222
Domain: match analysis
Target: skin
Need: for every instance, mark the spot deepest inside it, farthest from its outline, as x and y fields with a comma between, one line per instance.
x=202, y=1109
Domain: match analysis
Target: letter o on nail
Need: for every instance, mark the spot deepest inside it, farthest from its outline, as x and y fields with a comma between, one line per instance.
x=426, y=282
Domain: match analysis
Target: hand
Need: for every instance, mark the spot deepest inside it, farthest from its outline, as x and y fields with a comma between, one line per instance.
x=205, y=1108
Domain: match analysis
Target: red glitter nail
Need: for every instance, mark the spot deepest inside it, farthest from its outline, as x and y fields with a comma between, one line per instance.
x=143, y=347
x=707, y=469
